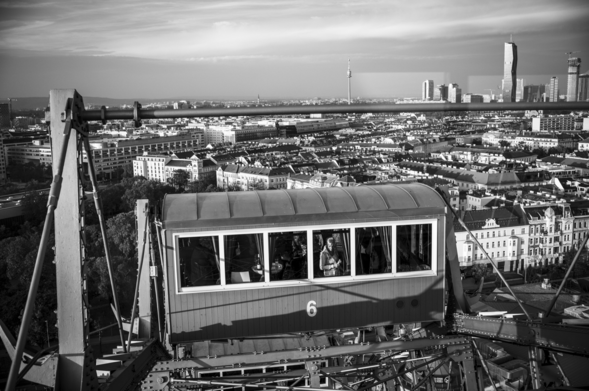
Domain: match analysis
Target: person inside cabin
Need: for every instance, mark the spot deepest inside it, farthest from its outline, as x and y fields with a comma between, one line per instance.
x=330, y=261
x=299, y=253
x=241, y=258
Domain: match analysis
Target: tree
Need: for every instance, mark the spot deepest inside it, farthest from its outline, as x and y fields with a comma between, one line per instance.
x=504, y=143
x=179, y=179
x=17, y=261
x=140, y=188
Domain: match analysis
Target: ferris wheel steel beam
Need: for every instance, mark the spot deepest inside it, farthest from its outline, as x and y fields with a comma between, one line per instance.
x=137, y=114
x=566, y=276
x=75, y=370
x=557, y=337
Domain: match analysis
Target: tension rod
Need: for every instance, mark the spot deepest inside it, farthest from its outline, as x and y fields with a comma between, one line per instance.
x=23, y=333
x=442, y=195
x=98, y=205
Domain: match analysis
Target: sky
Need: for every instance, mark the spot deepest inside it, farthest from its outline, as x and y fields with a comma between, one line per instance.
x=281, y=49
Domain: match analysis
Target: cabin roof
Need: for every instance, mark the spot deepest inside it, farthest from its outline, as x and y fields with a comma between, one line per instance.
x=211, y=209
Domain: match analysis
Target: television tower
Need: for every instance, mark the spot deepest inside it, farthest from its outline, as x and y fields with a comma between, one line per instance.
x=349, y=83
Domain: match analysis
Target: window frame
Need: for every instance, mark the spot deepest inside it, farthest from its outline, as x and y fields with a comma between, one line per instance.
x=311, y=279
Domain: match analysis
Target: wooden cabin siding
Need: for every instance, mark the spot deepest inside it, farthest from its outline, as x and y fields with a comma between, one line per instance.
x=254, y=312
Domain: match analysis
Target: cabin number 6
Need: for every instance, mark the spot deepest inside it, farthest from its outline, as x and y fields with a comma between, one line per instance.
x=312, y=308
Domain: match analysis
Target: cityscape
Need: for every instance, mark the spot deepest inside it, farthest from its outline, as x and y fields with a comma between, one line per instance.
x=355, y=221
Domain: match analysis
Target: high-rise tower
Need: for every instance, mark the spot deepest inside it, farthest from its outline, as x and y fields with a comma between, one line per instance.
x=349, y=83
x=583, y=87
x=553, y=89
x=427, y=90
x=573, y=79
x=509, y=72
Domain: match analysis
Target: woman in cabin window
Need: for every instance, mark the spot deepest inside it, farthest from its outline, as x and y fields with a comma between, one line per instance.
x=330, y=261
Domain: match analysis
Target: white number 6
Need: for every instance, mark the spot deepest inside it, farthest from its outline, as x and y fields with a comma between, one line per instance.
x=312, y=308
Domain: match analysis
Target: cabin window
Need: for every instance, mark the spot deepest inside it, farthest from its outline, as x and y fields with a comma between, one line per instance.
x=331, y=253
x=373, y=250
x=244, y=258
x=199, y=261
x=288, y=255
x=414, y=247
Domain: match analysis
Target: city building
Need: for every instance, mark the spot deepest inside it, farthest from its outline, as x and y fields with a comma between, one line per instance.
x=583, y=87
x=38, y=152
x=427, y=90
x=546, y=141
x=553, y=91
x=441, y=92
x=534, y=93
x=163, y=167
x=253, y=178
x=454, y=93
x=4, y=115
x=550, y=232
x=553, y=124
x=573, y=79
x=503, y=234
x=519, y=90
x=2, y=160
x=472, y=98
x=509, y=72
x=111, y=156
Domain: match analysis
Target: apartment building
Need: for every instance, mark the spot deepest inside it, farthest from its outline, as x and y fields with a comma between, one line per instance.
x=163, y=167
x=547, y=141
x=110, y=156
x=252, y=178
x=503, y=233
x=553, y=124
x=550, y=232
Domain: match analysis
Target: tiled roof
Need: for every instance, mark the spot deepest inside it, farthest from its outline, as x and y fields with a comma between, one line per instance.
x=505, y=217
x=179, y=163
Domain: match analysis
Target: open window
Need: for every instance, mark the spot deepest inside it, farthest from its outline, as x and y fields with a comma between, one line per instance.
x=331, y=253
x=199, y=261
x=414, y=247
x=244, y=258
x=373, y=250
x=288, y=255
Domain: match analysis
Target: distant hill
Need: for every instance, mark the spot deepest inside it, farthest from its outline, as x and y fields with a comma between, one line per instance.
x=42, y=102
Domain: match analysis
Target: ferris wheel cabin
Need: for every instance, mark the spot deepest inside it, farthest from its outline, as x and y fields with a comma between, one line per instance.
x=241, y=264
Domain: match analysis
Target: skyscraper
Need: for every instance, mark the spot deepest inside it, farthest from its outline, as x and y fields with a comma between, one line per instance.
x=553, y=90
x=427, y=90
x=454, y=93
x=441, y=92
x=573, y=79
x=509, y=72
x=349, y=83
x=4, y=115
x=583, y=87
x=519, y=90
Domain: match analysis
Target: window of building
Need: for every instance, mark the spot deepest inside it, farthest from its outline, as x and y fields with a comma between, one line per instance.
x=513, y=231
x=493, y=233
x=414, y=247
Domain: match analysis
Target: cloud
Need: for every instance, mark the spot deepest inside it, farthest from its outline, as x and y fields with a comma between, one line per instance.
x=220, y=30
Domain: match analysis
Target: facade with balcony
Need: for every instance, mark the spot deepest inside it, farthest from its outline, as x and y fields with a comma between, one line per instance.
x=253, y=178
x=502, y=233
x=551, y=232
